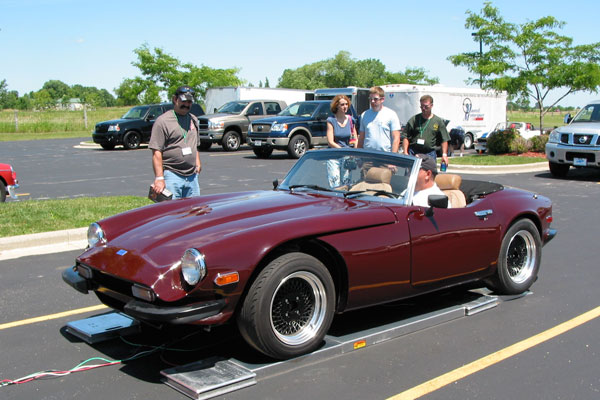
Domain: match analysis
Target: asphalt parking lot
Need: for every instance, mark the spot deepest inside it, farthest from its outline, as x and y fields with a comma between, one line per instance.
x=564, y=366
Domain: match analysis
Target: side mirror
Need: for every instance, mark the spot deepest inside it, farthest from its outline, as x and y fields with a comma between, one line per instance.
x=568, y=118
x=275, y=184
x=436, y=201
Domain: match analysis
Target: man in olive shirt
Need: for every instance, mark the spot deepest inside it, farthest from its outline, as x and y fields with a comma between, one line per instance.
x=174, y=145
x=423, y=131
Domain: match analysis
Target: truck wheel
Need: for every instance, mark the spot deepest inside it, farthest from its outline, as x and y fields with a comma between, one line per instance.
x=263, y=152
x=132, y=140
x=108, y=146
x=558, y=170
x=468, y=141
x=231, y=141
x=2, y=192
x=204, y=145
x=289, y=307
x=298, y=146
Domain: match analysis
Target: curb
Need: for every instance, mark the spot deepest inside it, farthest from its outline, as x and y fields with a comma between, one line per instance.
x=42, y=243
x=499, y=169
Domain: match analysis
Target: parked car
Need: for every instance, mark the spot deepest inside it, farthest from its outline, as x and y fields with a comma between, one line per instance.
x=298, y=128
x=281, y=263
x=577, y=144
x=8, y=182
x=525, y=129
x=229, y=125
x=134, y=128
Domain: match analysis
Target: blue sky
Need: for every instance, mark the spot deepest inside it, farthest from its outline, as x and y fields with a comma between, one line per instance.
x=91, y=42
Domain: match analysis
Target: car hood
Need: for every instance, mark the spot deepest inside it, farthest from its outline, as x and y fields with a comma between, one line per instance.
x=155, y=237
x=220, y=116
x=286, y=119
x=580, y=127
x=115, y=121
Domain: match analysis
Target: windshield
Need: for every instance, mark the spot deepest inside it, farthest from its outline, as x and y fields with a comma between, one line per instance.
x=355, y=173
x=590, y=113
x=300, y=109
x=233, y=107
x=136, y=112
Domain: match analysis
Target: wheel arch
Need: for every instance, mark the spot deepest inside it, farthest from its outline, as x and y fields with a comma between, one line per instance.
x=526, y=215
x=301, y=131
x=323, y=252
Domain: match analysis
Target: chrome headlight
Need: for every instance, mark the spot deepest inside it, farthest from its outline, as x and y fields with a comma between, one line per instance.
x=216, y=124
x=554, y=136
x=95, y=235
x=279, y=127
x=193, y=267
x=114, y=128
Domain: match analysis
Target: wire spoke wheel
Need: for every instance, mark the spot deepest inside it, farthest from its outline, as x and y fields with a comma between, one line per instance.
x=521, y=257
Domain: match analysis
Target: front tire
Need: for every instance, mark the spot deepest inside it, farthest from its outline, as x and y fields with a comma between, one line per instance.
x=2, y=192
x=297, y=146
x=108, y=146
x=519, y=259
x=231, y=141
x=558, y=170
x=205, y=145
x=468, y=142
x=132, y=140
x=289, y=307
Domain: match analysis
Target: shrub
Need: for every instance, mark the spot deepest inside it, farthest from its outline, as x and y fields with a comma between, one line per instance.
x=519, y=145
x=499, y=142
x=538, y=143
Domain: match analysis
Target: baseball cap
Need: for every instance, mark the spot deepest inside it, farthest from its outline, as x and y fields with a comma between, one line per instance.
x=428, y=163
x=185, y=93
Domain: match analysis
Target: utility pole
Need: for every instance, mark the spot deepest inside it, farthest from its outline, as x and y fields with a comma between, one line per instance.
x=476, y=34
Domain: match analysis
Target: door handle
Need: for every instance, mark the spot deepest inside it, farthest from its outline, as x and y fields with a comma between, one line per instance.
x=483, y=214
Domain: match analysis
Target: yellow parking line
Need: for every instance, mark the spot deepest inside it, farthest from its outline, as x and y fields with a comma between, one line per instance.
x=51, y=316
x=232, y=153
x=496, y=357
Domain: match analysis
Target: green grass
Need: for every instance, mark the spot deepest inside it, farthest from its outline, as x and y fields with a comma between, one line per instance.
x=34, y=216
x=551, y=119
x=53, y=124
x=494, y=160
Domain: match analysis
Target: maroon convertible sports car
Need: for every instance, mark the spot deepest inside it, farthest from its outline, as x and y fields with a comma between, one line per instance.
x=339, y=233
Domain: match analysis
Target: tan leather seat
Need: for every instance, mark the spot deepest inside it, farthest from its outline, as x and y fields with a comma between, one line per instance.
x=450, y=185
x=376, y=179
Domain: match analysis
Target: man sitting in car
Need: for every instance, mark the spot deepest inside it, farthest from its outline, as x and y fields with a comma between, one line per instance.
x=426, y=185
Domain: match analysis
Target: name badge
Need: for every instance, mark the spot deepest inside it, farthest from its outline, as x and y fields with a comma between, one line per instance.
x=186, y=151
x=421, y=141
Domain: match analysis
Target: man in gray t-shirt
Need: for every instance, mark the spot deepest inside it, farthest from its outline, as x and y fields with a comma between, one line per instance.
x=174, y=145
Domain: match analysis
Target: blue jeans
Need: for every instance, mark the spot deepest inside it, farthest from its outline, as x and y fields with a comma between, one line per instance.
x=182, y=186
x=430, y=154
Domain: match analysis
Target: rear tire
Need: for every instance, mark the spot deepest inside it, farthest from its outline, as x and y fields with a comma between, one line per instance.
x=558, y=170
x=519, y=259
x=289, y=307
x=132, y=140
x=262, y=152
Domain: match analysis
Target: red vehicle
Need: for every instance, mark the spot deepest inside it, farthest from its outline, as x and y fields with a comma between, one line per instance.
x=281, y=263
x=8, y=182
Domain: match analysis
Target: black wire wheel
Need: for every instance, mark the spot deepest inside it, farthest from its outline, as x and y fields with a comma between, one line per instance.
x=289, y=307
x=519, y=259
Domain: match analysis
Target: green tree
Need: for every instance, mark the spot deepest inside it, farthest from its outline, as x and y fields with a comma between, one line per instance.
x=8, y=99
x=529, y=60
x=42, y=100
x=57, y=89
x=162, y=72
x=342, y=71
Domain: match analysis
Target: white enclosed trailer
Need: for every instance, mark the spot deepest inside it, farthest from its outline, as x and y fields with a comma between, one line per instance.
x=476, y=111
x=217, y=96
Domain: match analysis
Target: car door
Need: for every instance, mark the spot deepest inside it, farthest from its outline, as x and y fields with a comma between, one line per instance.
x=452, y=243
x=318, y=124
x=153, y=113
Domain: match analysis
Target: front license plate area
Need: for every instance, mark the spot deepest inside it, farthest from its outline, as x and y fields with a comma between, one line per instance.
x=579, y=162
x=258, y=142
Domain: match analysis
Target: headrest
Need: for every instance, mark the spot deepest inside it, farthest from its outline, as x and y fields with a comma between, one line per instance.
x=378, y=175
x=448, y=181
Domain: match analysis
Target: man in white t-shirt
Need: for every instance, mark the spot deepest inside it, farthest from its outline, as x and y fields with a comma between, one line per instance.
x=426, y=185
x=379, y=125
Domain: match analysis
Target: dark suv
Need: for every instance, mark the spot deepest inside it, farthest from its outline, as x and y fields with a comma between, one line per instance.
x=134, y=127
x=296, y=129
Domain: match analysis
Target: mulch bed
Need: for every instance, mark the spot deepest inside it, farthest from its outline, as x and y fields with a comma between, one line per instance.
x=528, y=154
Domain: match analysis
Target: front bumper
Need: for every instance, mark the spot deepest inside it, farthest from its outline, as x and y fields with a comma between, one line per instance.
x=181, y=314
x=573, y=155
x=276, y=142
x=106, y=138
x=211, y=135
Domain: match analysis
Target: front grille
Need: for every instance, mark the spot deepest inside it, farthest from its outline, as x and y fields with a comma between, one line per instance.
x=101, y=128
x=588, y=156
x=582, y=139
x=261, y=128
x=564, y=138
x=203, y=123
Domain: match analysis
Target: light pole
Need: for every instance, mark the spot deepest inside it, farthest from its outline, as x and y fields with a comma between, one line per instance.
x=476, y=34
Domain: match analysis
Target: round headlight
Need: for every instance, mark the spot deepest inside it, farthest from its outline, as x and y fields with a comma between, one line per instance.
x=95, y=235
x=554, y=136
x=193, y=267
